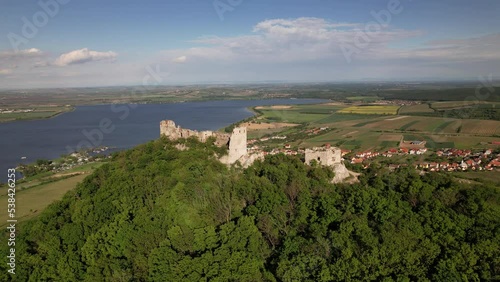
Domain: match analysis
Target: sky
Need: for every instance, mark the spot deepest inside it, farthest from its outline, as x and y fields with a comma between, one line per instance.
x=76, y=43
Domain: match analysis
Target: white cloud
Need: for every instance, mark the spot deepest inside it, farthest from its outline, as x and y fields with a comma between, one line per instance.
x=32, y=51
x=301, y=49
x=26, y=53
x=84, y=56
x=181, y=59
x=289, y=40
x=5, y=71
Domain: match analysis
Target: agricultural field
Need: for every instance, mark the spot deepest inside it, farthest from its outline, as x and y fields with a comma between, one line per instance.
x=458, y=104
x=35, y=193
x=437, y=125
x=347, y=139
x=37, y=113
x=357, y=131
x=371, y=110
x=338, y=118
x=296, y=114
x=411, y=109
x=364, y=99
x=31, y=202
x=480, y=127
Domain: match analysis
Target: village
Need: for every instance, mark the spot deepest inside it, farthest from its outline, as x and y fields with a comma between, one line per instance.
x=448, y=159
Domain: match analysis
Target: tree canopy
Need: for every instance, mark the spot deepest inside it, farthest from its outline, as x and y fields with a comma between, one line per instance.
x=156, y=213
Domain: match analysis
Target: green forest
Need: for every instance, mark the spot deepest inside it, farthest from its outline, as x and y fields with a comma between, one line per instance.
x=156, y=213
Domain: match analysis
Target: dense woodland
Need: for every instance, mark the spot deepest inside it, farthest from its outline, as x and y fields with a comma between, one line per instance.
x=155, y=213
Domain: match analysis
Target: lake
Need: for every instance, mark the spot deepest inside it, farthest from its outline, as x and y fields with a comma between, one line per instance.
x=116, y=126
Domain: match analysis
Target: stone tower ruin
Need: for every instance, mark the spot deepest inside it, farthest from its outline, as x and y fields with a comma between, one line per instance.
x=237, y=144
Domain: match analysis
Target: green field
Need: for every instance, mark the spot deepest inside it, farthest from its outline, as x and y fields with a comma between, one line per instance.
x=408, y=125
x=356, y=131
x=38, y=113
x=421, y=108
x=366, y=99
x=371, y=110
x=457, y=104
x=35, y=193
x=361, y=124
x=296, y=114
x=30, y=202
x=480, y=176
x=335, y=118
x=440, y=127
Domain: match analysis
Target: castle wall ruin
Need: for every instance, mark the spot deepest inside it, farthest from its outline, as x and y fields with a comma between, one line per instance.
x=331, y=157
x=324, y=156
x=236, y=142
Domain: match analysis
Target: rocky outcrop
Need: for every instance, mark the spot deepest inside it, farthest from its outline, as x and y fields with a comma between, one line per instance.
x=341, y=173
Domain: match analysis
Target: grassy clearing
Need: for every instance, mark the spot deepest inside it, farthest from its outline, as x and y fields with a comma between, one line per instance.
x=31, y=202
x=480, y=176
x=371, y=110
x=389, y=144
x=46, y=177
x=34, y=194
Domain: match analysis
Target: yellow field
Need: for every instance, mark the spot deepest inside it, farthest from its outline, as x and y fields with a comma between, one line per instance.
x=371, y=110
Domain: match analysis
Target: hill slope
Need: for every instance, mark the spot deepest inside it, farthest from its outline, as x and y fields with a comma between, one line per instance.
x=156, y=213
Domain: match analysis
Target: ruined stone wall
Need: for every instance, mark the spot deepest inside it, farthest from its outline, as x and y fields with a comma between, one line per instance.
x=173, y=132
x=324, y=156
x=236, y=142
x=331, y=157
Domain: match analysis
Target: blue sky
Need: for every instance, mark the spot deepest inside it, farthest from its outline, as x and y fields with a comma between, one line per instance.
x=101, y=43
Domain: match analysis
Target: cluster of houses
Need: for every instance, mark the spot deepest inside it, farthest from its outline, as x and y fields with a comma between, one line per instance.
x=484, y=160
x=360, y=157
x=264, y=139
x=464, y=165
x=452, y=152
x=316, y=130
x=478, y=161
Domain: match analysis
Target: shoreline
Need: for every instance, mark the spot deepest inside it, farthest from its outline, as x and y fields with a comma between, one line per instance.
x=73, y=107
x=39, y=118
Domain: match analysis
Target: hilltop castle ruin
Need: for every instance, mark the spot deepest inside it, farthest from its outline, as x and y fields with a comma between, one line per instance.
x=236, y=141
